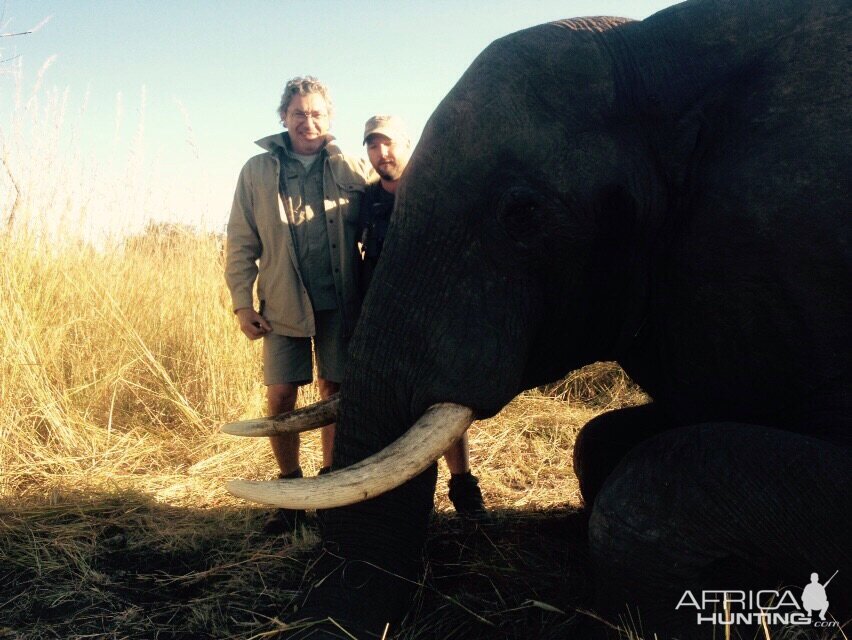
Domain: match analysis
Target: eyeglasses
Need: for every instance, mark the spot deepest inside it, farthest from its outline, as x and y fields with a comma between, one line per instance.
x=302, y=116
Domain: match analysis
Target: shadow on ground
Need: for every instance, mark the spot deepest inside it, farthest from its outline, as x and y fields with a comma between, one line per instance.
x=523, y=574
x=125, y=566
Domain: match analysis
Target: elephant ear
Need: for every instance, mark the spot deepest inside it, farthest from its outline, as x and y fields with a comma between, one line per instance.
x=621, y=254
x=683, y=147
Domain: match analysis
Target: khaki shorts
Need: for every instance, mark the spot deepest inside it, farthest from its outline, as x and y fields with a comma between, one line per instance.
x=288, y=360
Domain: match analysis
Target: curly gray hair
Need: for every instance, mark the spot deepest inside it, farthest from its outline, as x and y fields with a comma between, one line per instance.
x=302, y=86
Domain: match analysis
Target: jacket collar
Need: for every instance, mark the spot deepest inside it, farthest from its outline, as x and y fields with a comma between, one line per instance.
x=282, y=141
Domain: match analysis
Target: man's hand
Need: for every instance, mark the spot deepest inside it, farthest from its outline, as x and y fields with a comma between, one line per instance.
x=252, y=323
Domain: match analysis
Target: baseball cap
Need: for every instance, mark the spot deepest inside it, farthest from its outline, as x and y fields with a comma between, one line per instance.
x=387, y=125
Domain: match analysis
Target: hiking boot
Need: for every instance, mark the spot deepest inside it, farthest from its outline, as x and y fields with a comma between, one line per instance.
x=285, y=520
x=466, y=496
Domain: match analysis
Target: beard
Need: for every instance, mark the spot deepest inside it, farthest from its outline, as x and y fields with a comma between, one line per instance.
x=389, y=171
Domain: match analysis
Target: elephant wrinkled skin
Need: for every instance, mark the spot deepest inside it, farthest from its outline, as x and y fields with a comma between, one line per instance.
x=671, y=194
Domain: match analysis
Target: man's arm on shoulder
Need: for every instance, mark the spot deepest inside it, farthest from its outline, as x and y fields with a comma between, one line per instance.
x=349, y=170
x=366, y=170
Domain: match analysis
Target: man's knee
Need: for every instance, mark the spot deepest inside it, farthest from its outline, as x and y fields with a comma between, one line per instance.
x=327, y=388
x=281, y=397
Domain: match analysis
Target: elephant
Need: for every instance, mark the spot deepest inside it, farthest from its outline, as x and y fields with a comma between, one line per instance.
x=671, y=194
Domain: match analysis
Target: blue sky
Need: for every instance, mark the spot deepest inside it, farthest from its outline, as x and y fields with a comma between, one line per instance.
x=211, y=72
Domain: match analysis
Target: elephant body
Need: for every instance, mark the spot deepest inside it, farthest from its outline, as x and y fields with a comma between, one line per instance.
x=671, y=194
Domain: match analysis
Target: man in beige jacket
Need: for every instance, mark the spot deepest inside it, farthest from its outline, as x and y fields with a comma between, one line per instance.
x=292, y=230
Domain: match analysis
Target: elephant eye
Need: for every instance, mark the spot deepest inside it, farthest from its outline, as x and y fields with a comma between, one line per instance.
x=519, y=215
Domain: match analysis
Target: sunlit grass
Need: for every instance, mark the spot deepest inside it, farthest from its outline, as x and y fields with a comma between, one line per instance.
x=116, y=362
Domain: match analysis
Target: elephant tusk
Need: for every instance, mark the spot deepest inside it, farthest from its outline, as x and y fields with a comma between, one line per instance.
x=316, y=415
x=439, y=427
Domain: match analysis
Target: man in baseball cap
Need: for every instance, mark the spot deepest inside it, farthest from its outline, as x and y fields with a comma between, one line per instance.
x=389, y=148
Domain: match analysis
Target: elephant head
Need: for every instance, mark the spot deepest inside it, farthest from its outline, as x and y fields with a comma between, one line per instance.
x=599, y=189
